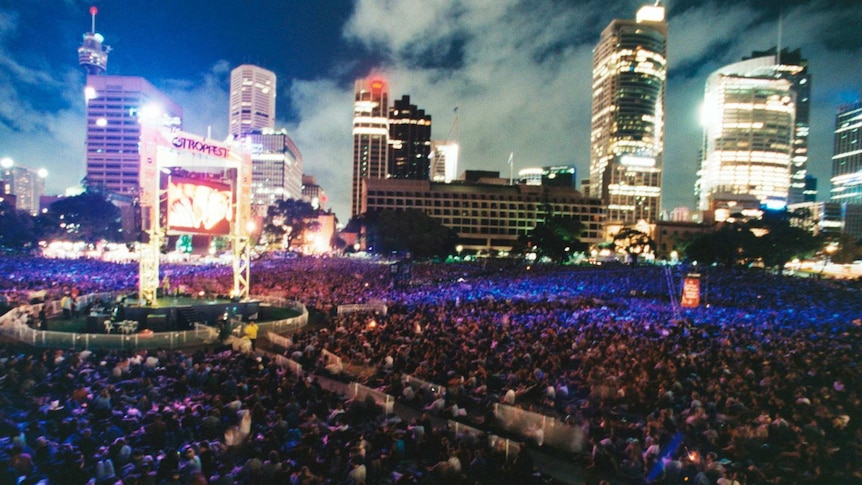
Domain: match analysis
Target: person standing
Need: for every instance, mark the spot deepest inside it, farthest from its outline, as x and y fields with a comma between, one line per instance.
x=66, y=303
x=251, y=333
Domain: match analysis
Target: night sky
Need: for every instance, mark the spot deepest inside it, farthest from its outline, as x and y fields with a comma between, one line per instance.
x=518, y=71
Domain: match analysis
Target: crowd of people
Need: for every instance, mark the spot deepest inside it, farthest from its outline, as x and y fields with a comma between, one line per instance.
x=758, y=384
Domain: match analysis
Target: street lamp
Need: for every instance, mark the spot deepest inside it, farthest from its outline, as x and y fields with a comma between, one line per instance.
x=6, y=162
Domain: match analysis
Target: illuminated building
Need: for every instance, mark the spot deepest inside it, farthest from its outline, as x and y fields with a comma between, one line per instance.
x=26, y=185
x=92, y=55
x=485, y=210
x=530, y=176
x=560, y=176
x=791, y=66
x=749, y=123
x=847, y=155
x=444, y=160
x=252, y=99
x=313, y=193
x=116, y=107
x=627, y=132
x=276, y=168
x=409, y=141
x=370, y=136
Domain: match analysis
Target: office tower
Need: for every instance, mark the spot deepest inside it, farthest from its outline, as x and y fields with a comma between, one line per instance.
x=444, y=160
x=409, y=141
x=370, y=136
x=627, y=133
x=847, y=155
x=116, y=108
x=791, y=66
x=252, y=100
x=276, y=168
x=749, y=125
x=26, y=185
x=92, y=55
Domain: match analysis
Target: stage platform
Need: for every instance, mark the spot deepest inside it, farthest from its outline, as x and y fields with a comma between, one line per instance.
x=174, y=313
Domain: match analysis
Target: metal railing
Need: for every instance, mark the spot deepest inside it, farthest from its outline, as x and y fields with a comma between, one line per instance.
x=14, y=324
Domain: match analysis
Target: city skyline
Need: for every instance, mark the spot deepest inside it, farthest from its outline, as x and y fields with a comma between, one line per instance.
x=519, y=73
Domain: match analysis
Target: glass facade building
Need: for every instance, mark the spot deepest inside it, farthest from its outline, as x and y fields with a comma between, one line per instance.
x=409, y=141
x=252, y=100
x=627, y=131
x=749, y=119
x=370, y=136
x=847, y=155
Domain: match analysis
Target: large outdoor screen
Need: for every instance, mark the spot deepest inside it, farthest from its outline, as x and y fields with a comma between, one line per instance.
x=199, y=207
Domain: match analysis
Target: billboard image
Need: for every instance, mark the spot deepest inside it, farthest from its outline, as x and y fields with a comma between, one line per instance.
x=691, y=291
x=199, y=207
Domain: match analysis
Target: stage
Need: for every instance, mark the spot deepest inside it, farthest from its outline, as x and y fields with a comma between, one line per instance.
x=172, y=313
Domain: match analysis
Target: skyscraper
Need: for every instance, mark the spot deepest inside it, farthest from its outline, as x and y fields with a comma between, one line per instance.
x=370, y=136
x=276, y=168
x=92, y=55
x=409, y=141
x=791, y=66
x=847, y=155
x=627, y=133
x=444, y=160
x=252, y=100
x=116, y=107
x=749, y=124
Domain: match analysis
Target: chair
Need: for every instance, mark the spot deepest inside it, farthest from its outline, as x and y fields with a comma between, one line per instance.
x=108, y=326
x=129, y=326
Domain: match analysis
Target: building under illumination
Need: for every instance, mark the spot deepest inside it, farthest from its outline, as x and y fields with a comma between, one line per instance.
x=252, y=100
x=26, y=185
x=444, y=160
x=370, y=136
x=92, y=54
x=313, y=193
x=116, y=108
x=484, y=209
x=276, y=168
x=847, y=155
x=409, y=141
x=791, y=66
x=749, y=119
x=627, y=133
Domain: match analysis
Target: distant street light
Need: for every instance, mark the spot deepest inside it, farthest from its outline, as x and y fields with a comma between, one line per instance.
x=6, y=162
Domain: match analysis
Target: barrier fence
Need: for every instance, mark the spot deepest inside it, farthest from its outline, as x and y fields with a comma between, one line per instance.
x=361, y=392
x=14, y=325
x=380, y=308
x=331, y=362
x=541, y=429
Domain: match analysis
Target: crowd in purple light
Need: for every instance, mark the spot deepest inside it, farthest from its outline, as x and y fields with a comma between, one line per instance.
x=758, y=384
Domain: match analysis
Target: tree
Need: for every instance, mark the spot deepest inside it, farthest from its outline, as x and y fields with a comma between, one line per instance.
x=17, y=228
x=634, y=243
x=729, y=245
x=87, y=217
x=286, y=218
x=781, y=241
x=556, y=239
x=412, y=230
x=849, y=249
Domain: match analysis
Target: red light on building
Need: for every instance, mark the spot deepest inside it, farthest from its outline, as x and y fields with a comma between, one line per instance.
x=377, y=85
x=94, y=10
